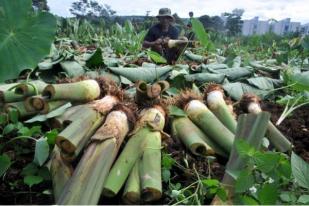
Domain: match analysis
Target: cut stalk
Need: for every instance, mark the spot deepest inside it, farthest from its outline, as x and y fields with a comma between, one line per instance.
x=10, y=96
x=252, y=128
x=132, y=190
x=151, y=122
x=215, y=102
x=251, y=103
x=86, y=184
x=20, y=107
x=52, y=105
x=83, y=91
x=60, y=171
x=192, y=137
x=30, y=88
x=74, y=137
x=209, y=124
x=150, y=168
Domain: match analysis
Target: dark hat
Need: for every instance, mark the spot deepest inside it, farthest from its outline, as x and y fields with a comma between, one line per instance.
x=165, y=12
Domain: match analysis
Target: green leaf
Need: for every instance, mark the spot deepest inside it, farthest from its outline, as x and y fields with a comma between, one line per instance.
x=166, y=175
x=244, y=148
x=44, y=173
x=304, y=199
x=41, y=151
x=233, y=73
x=175, y=111
x=264, y=83
x=25, y=37
x=200, y=33
x=72, y=68
x=13, y=115
x=268, y=194
x=167, y=161
x=202, y=78
x=95, y=60
x=3, y=119
x=287, y=197
x=57, y=112
x=141, y=73
x=266, y=162
x=5, y=163
x=222, y=194
x=284, y=168
x=244, y=181
x=8, y=129
x=30, y=169
x=301, y=80
x=51, y=136
x=32, y=180
x=247, y=200
x=210, y=182
x=300, y=170
x=237, y=89
x=157, y=58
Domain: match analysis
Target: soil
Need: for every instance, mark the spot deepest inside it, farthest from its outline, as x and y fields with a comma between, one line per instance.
x=295, y=127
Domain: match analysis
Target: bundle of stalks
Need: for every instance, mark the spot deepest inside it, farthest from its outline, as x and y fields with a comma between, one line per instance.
x=83, y=91
x=144, y=146
x=132, y=191
x=221, y=138
x=22, y=110
x=214, y=97
x=252, y=128
x=42, y=105
x=251, y=103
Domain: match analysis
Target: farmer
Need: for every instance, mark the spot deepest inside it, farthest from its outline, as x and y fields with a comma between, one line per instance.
x=159, y=34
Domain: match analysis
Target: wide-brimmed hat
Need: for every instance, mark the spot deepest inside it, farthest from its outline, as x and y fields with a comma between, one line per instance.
x=165, y=12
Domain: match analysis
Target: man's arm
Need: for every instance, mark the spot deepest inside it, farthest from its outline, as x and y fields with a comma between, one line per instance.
x=149, y=44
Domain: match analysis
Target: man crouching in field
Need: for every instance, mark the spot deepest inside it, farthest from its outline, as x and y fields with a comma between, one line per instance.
x=158, y=36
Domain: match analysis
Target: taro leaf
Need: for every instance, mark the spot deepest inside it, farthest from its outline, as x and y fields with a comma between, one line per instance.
x=41, y=151
x=264, y=83
x=215, y=66
x=95, y=60
x=72, y=68
x=175, y=111
x=25, y=37
x=304, y=199
x=233, y=73
x=237, y=89
x=268, y=194
x=157, y=58
x=32, y=180
x=288, y=197
x=5, y=163
x=141, y=73
x=200, y=33
x=300, y=170
x=43, y=117
x=301, y=80
x=205, y=78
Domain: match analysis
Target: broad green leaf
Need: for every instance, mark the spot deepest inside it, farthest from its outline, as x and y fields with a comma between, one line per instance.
x=41, y=151
x=244, y=181
x=175, y=111
x=288, y=197
x=8, y=128
x=95, y=60
x=25, y=37
x=72, y=68
x=199, y=30
x=247, y=200
x=32, y=180
x=268, y=194
x=141, y=73
x=30, y=169
x=304, y=199
x=210, y=182
x=301, y=80
x=201, y=78
x=157, y=58
x=222, y=194
x=264, y=83
x=5, y=163
x=266, y=162
x=234, y=73
x=57, y=112
x=244, y=148
x=300, y=170
x=284, y=168
x=51, y=136
x=237, y=89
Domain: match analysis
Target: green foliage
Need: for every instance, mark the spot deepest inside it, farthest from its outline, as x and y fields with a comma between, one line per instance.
x=157, y=58
x=200, y=33
x=25, y=38
x=300, y=171
x=5, y=163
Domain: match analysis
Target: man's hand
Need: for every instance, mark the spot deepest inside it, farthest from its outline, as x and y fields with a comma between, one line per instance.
x=158, y=42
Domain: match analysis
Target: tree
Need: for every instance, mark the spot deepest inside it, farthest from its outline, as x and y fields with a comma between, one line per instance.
x=214, y=23
x=40, y=4
x=91, y=8
x=234, y=22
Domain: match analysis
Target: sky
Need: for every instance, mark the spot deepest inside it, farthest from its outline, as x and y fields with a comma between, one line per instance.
x=297, y=10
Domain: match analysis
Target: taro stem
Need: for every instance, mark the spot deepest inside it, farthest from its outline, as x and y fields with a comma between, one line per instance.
x=86, y=184
x=20, y=107
x=215, y=101
x=83, y=91
x=132, y=190
x=150, y=123
x=30, y=88
x=210, y=125
x=251, y=103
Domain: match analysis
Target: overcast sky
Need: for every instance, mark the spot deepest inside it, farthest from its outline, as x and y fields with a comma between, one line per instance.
x=297, y=10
